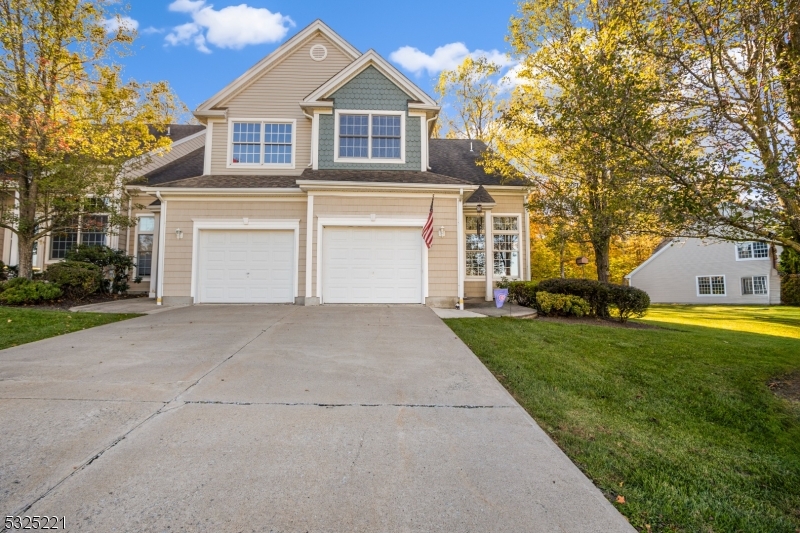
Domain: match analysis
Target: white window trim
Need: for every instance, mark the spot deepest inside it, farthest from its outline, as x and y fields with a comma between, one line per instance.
x=697, y=285
x=496, y=277
x=136, y=242
x=754, y=294
x=49, y=260
x=229, y=161
x=736, y=251
x=243, y=224
x=367, y=221
x=369, y=158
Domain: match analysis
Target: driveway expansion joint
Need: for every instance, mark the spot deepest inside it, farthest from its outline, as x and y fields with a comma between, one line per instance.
x=317, y=404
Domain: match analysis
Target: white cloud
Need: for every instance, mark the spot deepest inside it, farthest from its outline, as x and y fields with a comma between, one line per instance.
x=113, y=24
x=150, y=30
x=445, y=57
x=512, y=78
x=230, y=27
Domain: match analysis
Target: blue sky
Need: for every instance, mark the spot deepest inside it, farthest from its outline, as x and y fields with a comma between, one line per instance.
x=200, y=46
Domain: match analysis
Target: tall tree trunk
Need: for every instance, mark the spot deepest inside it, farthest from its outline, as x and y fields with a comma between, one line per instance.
x=602, y=259
x=561, y=259
x=25, y=246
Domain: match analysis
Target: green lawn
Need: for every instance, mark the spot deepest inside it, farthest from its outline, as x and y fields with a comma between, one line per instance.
x=20, y=325
x=679, y=421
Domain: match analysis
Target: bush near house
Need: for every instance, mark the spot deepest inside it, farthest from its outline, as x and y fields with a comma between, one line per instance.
x=595, y=292
x=20, y=291
x=76, y=279
x=790, y=289
x=629, y=301
x=523, y=292
x=600, y=296
x=561, y=304
x=115, y=265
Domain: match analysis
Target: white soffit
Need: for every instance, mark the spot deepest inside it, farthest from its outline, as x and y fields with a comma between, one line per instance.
x=258, y=69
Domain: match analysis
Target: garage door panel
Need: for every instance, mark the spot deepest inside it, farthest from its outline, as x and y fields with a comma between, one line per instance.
x=246, y=266
x=372, y=265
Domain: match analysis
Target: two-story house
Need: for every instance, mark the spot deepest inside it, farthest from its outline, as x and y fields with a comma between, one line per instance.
x=311, y=183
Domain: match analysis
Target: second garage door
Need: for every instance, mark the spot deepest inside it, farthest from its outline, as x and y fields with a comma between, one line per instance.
x=246, y=266
x=372, y=265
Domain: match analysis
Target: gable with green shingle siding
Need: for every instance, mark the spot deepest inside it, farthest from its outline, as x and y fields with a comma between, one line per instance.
x=371, y=91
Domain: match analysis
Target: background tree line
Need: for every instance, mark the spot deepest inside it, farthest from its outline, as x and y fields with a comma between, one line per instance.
x=640, y=120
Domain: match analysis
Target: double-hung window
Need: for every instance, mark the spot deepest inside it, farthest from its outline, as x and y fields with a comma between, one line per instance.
x=754, y=285
x=90, y=229
x=144, y=245
x=63, y=240
x=505, y=237
x=266, y=143
x=363, y=136
x=711, y=285
x=752, y=250
x=476, y=246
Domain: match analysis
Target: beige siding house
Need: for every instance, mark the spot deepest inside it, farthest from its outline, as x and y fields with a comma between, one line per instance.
x=309, y=180
x=694, y=271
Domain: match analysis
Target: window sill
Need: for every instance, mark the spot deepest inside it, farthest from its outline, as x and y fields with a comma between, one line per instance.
x=368, y=160
x=277, y=166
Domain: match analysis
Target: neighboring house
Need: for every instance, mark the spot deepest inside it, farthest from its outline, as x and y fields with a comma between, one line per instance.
x=310, y=182
x=693, y=271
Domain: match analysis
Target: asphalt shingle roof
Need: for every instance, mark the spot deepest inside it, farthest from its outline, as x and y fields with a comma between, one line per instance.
x=186, y=166
x=480, y=196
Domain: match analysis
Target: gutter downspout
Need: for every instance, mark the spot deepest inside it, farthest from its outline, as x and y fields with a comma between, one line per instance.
x=161, y=245
x=428, y=140
x=311, y=155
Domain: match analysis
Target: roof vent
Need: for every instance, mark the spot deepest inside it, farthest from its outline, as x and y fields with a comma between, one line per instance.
x=318, y=52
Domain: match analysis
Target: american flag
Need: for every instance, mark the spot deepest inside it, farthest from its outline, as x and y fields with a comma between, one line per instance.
x=427, y=229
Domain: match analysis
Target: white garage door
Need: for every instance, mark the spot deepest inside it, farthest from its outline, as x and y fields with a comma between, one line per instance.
x=246, y=266
x=372, y=265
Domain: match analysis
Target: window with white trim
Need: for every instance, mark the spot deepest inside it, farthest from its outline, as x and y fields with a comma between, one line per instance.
x=264, y=143
x=363, y=135
x=711, y=285
x=144, y=245
x=476, y=246
x=505, y=237
x=754, y=285
x=88, y=229
x=752, y=250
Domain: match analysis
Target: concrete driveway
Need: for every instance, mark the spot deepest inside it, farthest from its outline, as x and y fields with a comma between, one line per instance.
x=279, y=418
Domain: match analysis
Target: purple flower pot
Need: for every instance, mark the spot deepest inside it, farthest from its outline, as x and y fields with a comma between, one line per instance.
x=500, y=297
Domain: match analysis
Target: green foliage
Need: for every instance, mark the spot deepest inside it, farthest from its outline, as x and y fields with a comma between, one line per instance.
x=790, y=289
x=629, y=301
x=523, y=293
x=595, y=292
x=789, y=261
x=561, y=304
x=20, y=291
x=116, y=265
x=76, y=279
x=471, y=96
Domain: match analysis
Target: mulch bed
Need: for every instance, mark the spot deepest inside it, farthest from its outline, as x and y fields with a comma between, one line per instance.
x=65, y=303
x=787, y=387
x=593, y=321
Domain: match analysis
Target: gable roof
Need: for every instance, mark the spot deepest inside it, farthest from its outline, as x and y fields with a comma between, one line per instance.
x=480, y=196
x=373, y=59
x=209, y=106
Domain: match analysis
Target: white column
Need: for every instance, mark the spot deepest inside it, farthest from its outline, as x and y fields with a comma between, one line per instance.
x=162, y=241
x=207, y=152
x=8, y=235
x=154, y=272
x=489, y=254
x=527, y=246
x=460, y=247
x=309, y=245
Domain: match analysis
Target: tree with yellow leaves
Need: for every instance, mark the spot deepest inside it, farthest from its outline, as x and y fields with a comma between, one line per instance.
x=71, y=128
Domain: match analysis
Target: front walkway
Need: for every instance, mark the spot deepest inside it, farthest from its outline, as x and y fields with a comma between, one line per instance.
x=279, y=418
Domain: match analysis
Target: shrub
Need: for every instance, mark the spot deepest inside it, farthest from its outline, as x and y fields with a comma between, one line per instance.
x=24, y=291
x=523, y=293
x=596, y=293
x=115, y=265
x=629, y=301
x=76, y=279
x=790, y=289
x=561, y=304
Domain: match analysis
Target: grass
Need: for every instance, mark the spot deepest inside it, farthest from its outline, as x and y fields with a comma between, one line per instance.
x=20, y=325
x=678, y=421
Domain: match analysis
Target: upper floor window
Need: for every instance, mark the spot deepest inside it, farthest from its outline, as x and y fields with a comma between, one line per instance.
x=268, y=143
x=363, y=136
x=752, y=250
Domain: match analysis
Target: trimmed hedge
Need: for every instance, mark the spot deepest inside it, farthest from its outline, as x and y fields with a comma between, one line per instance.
x=523, y=293
x=629, y=301
x=790, y=289
x=561, y=304
x=76, y=278
x=20, y=291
